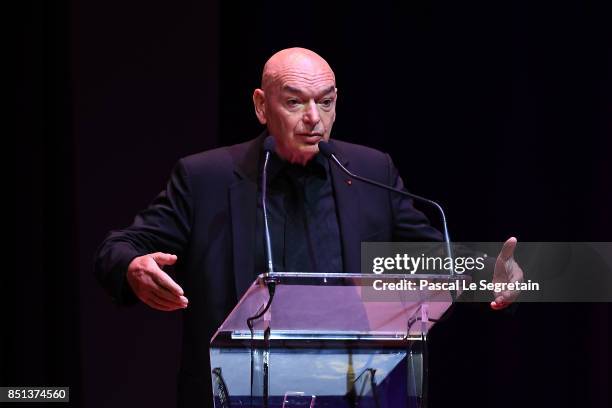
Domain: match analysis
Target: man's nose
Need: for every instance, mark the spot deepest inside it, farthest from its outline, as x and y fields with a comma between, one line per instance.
x=311, y=116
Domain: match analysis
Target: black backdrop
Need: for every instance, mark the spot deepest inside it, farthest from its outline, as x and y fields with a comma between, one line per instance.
x=501, y=111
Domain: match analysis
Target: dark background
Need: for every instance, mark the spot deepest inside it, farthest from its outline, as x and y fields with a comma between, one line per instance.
x=500, y=110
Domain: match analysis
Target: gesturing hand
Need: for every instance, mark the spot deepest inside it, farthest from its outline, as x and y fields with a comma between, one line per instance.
x=506, y=271
x=154, y=286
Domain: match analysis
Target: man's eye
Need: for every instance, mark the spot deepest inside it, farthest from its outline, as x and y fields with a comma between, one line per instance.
x=292, y=102
x=326, y=103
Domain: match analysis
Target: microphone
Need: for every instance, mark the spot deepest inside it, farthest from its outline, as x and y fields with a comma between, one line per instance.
x=328, y=150
x=268, y=147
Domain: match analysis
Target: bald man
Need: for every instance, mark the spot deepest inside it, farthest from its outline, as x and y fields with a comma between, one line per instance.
x=297, y=102
x=209, y=224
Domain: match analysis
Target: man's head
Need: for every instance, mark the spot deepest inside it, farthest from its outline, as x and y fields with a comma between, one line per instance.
x=297, y=102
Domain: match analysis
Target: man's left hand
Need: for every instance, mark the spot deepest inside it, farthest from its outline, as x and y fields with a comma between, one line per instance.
x=506, y=270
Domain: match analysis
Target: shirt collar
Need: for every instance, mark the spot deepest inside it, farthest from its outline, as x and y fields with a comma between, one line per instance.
x=318, y=167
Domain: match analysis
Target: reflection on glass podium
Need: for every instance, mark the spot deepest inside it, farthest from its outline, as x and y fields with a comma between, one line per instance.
x=318, y=341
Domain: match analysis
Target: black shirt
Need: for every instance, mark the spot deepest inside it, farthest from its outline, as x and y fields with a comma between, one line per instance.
x=302, y=218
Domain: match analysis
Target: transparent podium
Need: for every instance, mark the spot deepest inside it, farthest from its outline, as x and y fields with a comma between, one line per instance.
x=329, y=340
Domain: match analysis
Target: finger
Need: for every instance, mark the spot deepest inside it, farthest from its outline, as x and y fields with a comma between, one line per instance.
x=508, y=249
x=164, y=259
x=162, y=279
x=150, y=300
x=509, y=296
x=505, y=299
x=498, y=303
x=498, y=306
x=167, y=295
x=168, y=303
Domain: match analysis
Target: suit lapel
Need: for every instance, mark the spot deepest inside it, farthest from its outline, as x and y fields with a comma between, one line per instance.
x=243, y=209
x=347, y=207
x=242, y=204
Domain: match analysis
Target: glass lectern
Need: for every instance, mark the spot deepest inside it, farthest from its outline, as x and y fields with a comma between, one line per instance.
x=328, y=340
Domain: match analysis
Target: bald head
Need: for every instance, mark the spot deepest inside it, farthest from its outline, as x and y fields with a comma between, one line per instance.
x=295, y=62
x=297, y=102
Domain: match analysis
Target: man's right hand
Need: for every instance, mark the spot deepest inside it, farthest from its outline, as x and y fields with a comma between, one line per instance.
x=154, y=286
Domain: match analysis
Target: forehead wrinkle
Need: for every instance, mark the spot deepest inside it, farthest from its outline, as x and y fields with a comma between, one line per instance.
x=291, y=89
x=301, y=83
x=290, y=69
x=306, y=80
x=290, y=74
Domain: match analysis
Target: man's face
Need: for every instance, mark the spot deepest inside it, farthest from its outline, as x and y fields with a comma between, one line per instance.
x=299, y=108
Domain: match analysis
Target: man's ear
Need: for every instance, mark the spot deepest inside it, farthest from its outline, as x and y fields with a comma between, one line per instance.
x=335, y=103
x=259, y=102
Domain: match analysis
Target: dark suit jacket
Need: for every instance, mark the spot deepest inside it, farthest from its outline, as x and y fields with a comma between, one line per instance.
x=206, y=216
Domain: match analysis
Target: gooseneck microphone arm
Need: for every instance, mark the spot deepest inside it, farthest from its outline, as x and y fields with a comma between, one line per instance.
x=268, y=148
x=328, y=151
x=271, y=283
